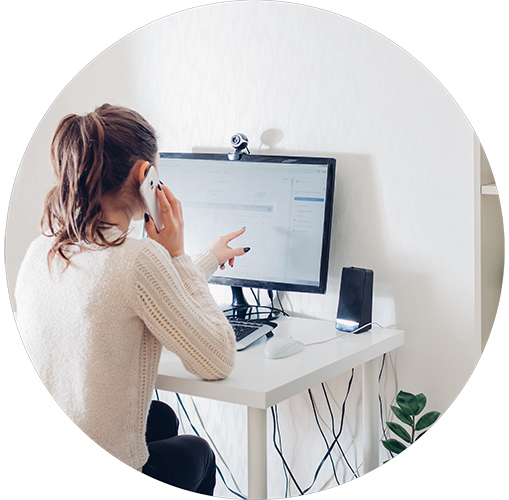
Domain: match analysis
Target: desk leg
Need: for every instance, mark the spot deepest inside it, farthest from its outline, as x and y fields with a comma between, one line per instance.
x=257, y=453
x=370, y=432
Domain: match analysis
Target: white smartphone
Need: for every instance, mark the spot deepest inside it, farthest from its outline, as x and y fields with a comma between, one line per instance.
x=148, y=194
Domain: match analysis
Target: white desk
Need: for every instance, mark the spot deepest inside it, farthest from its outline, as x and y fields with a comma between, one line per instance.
x=259, y=383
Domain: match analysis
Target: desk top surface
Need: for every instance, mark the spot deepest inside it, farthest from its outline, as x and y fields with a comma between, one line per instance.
x=260, y=382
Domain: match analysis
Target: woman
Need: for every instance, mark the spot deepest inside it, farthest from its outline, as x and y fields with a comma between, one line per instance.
x=95, y=307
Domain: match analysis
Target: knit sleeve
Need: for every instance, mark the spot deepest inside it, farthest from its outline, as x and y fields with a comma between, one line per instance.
x=206, y=262
x=173, y=299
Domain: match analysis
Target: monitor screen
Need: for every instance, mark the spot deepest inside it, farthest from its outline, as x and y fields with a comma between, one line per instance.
x=285, y=203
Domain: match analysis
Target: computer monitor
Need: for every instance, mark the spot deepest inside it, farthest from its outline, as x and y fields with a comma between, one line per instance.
x=285, y=202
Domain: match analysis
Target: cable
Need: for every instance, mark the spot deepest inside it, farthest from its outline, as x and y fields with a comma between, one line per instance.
x=344, y=401
x=287, y=483
x=187, y=415
x=198, y=434
x=255, y=297
x=214, y=444
x=280, y=304
x=333, y=431
x=330, y=410
x=396, y=390
x=380, y=403
x=357, y=470
x=344, y=335
x=280, y=452
x=270, y=293
x=323, y=435
x=253, y=310
x=337, y=436
x=380, y=397
x=381, y=368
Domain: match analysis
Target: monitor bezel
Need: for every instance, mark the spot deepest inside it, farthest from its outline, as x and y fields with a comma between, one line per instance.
x=321, y=288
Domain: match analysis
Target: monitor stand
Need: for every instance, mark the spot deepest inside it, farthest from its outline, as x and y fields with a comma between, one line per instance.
x=243, y=310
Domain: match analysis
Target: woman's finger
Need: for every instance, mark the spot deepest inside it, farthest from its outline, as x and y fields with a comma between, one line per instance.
x=150, y=227
x=171, y=208
x=240, y=251
x=236, y=253
x=235, y=234
x=163, y=200
x=173, y=202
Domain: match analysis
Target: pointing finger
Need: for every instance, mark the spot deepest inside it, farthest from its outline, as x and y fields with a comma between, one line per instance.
x=235, y=234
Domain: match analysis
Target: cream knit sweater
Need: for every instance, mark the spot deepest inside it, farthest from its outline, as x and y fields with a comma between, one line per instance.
x=95, y=331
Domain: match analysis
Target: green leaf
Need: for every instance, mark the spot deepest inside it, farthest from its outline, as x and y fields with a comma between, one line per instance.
x=394, y=445
x=427, y=420
x=421, y=399
x=402, y=415
x=407, y=402
x=399, y=431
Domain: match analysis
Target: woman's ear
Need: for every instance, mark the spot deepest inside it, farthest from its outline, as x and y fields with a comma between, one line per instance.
x=140, y=170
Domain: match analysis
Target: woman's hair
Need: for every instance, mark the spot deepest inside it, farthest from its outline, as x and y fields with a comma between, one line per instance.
x=92, y=155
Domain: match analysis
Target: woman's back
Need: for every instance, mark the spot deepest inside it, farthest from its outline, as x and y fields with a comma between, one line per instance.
x=85, y=330
x=88, y=344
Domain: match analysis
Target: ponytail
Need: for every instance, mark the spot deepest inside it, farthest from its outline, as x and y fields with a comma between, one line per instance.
x=92, y=155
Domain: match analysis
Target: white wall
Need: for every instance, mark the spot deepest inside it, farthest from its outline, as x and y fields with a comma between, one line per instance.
x=326, y=86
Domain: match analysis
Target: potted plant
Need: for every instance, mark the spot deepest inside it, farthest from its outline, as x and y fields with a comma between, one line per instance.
x=409, y=406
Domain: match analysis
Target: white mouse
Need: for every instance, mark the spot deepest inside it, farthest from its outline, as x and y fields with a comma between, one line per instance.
x=282, y=347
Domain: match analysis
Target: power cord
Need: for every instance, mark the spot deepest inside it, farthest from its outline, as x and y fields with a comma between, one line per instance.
x=344, y=334
x=257, y=300
x=280, y=304
x=330, y=447
x=254, y=312
x=270, y=293
x=336, y=438
x=214, y=444
x=382, y=423
x=287, y=482
x=281, y=453
x=323, y=435
x=334, y=432
x=217, y=467
x=381, y=405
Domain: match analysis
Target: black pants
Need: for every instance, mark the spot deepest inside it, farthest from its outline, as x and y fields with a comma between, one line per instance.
x=185, y=461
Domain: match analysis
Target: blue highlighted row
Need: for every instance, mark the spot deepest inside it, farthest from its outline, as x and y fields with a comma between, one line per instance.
x=301, y=198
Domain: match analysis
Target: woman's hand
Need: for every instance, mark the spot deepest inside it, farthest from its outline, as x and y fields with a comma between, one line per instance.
x=223, y=252
x=171, y=236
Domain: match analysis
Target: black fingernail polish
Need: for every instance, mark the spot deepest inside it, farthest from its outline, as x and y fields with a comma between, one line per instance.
x=161, y=182
x=246, y=249
x=159, y=187
x=146, y=218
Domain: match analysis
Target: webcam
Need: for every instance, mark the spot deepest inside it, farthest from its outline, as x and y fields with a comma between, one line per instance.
x=239, y=142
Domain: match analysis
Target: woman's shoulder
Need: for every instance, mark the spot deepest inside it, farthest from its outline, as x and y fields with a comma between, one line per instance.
x=42, y=241
x=40, y=246
x=140, y=250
